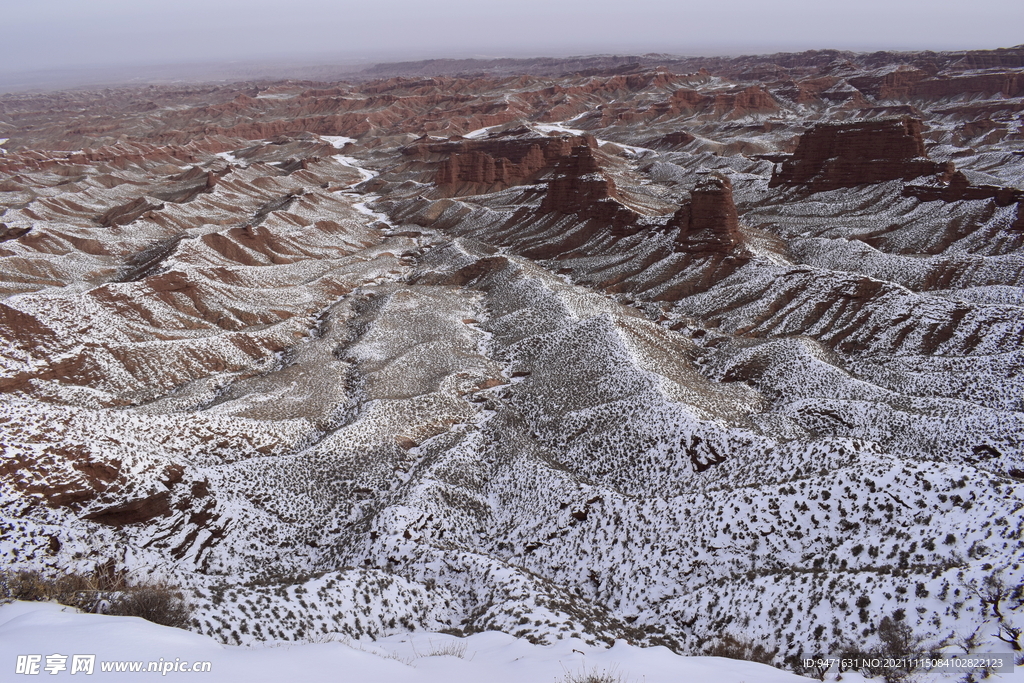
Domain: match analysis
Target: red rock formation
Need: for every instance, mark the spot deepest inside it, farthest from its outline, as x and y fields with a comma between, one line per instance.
x=25, y=333
x=173, y=474
x=959, y=188
x=135, y=511
x=908, y=83
x=579, y=182
x=851, y=97
x=478, y=166
x=670, y=141
x=807, y=90
x=9, y=233
x=579, y=186
x=126, y=213
x=1004, y=57
x=896, y=84
x=708, y=224
x=60, y=474
x=728, y=104
x=831, y=155
x=119, y=155
x=752, y=100
x=467, y=274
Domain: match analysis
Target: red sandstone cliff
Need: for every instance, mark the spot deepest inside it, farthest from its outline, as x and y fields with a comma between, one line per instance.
x=579, y=186
x=708, y=224
x=516, y=157
x=578, y=183
x=473, y=166
x=831, y=156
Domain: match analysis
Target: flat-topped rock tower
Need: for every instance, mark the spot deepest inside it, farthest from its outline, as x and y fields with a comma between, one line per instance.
x=834, y=155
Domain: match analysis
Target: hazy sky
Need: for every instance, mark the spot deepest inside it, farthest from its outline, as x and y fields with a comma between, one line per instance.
x=46, y=34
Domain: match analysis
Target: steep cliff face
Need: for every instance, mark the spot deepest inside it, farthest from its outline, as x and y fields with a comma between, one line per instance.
x=674, y=140
x=723, y=104
x=478, y=166
x=907, y=83
x=580, y=186
x=893, y=84
x=578, y=183
x=832, y=155
x=708, y=224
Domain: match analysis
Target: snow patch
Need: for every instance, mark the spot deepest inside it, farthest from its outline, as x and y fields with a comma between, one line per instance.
x=228, y=157
x=338, y=141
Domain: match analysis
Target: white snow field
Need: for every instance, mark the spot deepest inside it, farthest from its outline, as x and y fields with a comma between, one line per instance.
x=45, y=629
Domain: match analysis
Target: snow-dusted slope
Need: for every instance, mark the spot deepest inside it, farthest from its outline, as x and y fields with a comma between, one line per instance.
x=348, y=395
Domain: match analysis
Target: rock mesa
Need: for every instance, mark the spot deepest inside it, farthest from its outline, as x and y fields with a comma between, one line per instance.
x=831, y=155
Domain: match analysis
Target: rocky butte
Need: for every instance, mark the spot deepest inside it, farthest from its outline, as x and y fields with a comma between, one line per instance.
x=835, y=155
x=578, y=183
x=709, y=222
x=478, y=166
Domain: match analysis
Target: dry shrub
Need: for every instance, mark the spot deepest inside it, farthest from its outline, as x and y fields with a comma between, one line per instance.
x=102, y=591
x=593, y=676
x=156, y=602
x=452, y=648
x=897, y=641
x=22, y=586
x=75, y=590
x=739, y=648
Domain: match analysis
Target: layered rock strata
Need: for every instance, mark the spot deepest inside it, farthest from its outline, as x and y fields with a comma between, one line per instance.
x=472, y=412
x=709, y=223
x=493, y=164
x=578, y=183
x=580, y=186
x=834, y=155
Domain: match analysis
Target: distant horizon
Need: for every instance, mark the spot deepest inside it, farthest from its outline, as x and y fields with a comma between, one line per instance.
x=300, y=68
x=61, y=36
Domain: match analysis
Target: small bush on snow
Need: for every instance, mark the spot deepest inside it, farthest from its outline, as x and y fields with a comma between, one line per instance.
x=102, y=592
